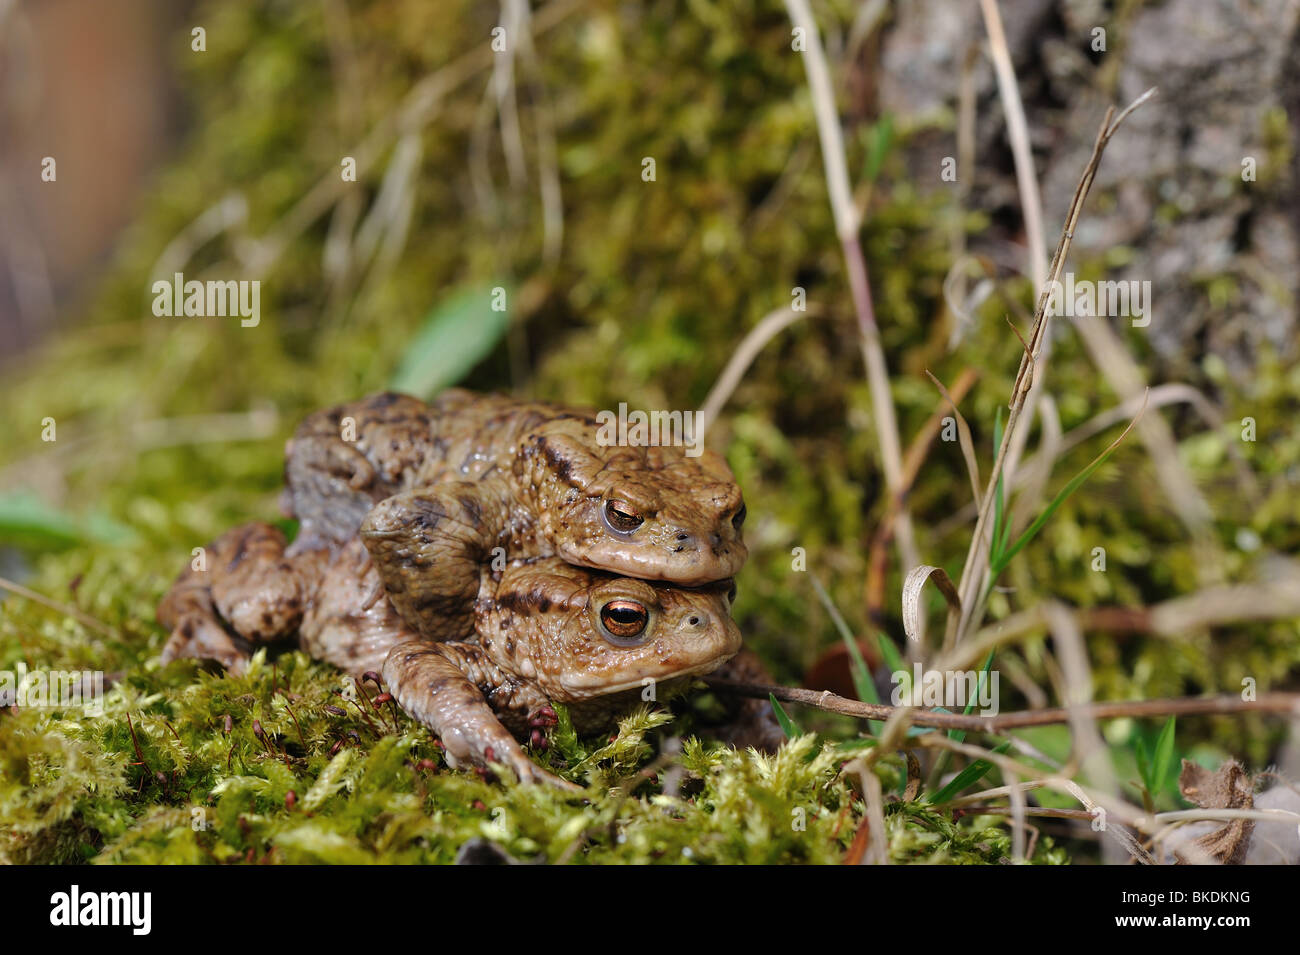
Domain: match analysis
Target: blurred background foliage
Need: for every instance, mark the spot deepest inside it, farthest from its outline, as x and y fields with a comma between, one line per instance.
x=170, y=430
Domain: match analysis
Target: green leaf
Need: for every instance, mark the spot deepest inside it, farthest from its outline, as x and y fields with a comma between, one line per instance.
x=1005, y=556
x=458, y=334
x=862, y=682
x=788, y=726
x=890, y=653
x=858, y=668
x=1163, y=757
x=880, y=137
x=28, y=521
x=967, y=777
x=960, y=735
x=852, y=747
x=1144, y=764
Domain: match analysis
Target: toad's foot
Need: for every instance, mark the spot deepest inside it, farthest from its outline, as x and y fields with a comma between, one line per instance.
x=439, y=685
x=429, y=546
x=751, y=723
x=196, y=630
x=240, y=591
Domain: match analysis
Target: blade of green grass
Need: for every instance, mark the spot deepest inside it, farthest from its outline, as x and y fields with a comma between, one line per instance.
x=788, y=726
x=862, y=682
x=28, y=522
x=1164, y=755
x=880, y=136
x=1006, y=556
x=967, y=777
x=890, y=654
x=1143, y=763
x=858, y=668
x=960, y=735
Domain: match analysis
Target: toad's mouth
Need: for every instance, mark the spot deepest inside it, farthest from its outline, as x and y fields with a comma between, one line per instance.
x=689, y=568
x=586, y=687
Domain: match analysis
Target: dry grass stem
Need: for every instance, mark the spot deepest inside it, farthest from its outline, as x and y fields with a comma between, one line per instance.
x=847, y=224
x=66, y=609
x=768, y=327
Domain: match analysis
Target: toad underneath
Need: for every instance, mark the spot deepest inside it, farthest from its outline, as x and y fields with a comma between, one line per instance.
x=544, y=631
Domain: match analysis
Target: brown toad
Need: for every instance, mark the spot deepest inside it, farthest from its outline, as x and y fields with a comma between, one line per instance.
x=543, y=631
x=436, y=490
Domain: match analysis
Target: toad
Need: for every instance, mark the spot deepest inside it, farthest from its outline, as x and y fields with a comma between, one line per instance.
x=435, y=490
x=542, y=632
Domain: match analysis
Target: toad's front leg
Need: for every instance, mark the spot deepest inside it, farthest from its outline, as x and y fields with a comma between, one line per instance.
x=429, y=546
x=447, y=687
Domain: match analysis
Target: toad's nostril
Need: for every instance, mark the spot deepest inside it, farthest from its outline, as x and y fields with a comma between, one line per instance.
x=698, y=620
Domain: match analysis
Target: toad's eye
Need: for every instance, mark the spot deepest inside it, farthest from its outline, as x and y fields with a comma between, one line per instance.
x=739, y=519
x=624, y=620
x=621, y=518
x=731, y=594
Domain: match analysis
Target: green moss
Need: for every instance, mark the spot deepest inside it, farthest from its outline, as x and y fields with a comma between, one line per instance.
x=655, y=285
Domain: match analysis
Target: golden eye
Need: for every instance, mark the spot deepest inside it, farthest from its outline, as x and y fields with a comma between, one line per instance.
x=624, y=620
x=739, y=519
x=621, y=518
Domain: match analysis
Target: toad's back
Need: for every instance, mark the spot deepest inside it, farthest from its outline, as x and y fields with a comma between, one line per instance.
x=343, y=459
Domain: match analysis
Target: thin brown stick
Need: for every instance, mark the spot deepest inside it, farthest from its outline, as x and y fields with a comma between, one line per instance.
x=66, y=609
x=1185, y=706
x=1080, y=814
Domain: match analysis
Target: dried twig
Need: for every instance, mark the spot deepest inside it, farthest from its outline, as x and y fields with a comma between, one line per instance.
x=1286, y=703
